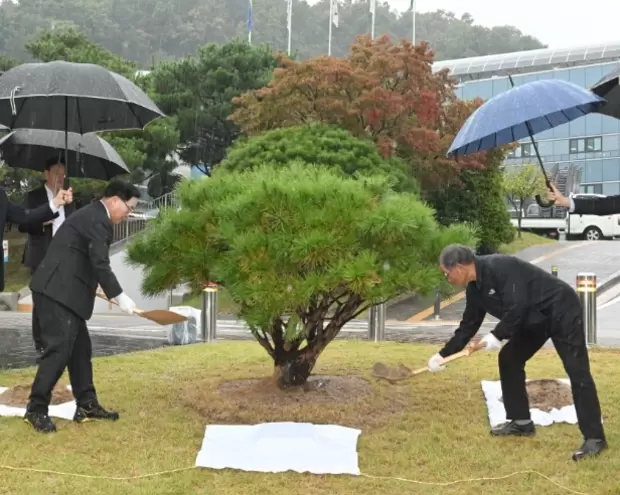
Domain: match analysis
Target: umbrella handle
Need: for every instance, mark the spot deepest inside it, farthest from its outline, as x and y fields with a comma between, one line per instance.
x=540, y=201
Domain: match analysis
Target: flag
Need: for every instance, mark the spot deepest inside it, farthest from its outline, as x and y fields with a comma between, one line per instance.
x=335, y=13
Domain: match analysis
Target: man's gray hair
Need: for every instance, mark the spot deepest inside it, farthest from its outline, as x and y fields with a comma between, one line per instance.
x=456, y=254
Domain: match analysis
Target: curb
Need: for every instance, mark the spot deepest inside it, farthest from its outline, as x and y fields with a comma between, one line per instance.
x=608, y=283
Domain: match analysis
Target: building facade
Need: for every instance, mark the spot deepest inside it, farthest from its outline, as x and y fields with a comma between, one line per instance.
x=590, y=144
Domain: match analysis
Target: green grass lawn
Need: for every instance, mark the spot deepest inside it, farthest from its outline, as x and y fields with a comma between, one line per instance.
x=433, y=428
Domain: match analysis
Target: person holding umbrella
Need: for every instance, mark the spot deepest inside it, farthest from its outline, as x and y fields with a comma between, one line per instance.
x=609, y=205
x=64, y=288
x=532, y=306
x=40, y=233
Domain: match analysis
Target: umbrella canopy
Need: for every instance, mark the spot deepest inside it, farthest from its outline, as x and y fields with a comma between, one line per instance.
x=72, y=97
x=31, y=148
x=523, y=111
x=609, y=88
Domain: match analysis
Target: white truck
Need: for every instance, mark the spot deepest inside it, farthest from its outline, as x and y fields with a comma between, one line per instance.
x=575, y=226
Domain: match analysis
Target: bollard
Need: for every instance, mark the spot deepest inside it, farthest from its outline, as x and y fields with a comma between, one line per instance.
x=437, y=306
x=586, y=288
x=554, y=271
x=208, y=318
x=372, y=323
x=381, y=315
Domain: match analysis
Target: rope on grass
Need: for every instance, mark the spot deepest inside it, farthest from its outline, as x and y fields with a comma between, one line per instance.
x=369, y=476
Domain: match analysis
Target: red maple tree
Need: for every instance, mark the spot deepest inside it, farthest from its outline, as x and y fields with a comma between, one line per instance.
x=384, y=90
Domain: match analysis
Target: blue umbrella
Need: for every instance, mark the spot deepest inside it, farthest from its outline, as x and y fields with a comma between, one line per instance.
x=524, y=111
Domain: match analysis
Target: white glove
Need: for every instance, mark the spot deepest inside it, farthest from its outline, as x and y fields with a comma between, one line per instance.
x=434, y=363
x=125, y=303
x=491, y=343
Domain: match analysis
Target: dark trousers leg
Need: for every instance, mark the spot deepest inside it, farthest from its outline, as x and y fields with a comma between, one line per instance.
x=80, y=367
x=36, y=328
x=512, y=359
x=570, y=344
x=59, y=332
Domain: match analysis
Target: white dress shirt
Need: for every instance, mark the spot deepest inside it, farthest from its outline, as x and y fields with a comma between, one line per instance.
x=58, y=221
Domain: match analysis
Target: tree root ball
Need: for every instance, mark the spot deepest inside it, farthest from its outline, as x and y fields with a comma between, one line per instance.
x=17, y=396
x=548, y=394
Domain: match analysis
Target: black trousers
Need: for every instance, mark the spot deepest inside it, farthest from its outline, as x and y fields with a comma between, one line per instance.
x=66, y=344
x=36, y=328
x=567, y=335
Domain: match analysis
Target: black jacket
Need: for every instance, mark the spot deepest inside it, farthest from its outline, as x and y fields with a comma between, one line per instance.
x=13, y=213
x=514, y=291
x=77, y=260
x=597, y=206
x=39, y=235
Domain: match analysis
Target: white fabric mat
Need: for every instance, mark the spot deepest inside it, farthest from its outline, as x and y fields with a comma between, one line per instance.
x=497, y=414
x=280, y=447
x=63, y=411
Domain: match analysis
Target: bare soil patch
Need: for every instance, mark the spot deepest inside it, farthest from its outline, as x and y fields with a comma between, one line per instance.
x=549, y=394
x=351, y=400
x=17, y=396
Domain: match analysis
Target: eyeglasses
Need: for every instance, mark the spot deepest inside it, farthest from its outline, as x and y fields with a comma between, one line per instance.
x=130, y=208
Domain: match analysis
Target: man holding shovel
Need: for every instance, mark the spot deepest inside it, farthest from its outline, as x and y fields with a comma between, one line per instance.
x=532, y=306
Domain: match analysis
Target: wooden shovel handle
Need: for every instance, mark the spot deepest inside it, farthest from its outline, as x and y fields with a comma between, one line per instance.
x=102, y=296
x=464, y=353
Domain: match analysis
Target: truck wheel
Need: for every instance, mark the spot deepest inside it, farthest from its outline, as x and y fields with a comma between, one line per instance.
x=592, y=234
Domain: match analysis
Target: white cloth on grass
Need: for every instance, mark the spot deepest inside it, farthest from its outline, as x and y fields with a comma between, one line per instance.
x=280, y=447
x=65, y=410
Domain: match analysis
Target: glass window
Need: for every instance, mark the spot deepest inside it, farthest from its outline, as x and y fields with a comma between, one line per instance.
x=548, y=134
x=561, y=74
x=459, y=92
x=610, y=143
x=611, y=169
x=545, y=148
x=577, y=127
x=593, y=75
x=611, y=188
x=578, y=76
x=500, y=85
x=560, y=147
x=573, y=146
x=594, y=171
x=594, y=144
x=610, y=125
x=594, y=123
x=527, y=150
x=561, y=131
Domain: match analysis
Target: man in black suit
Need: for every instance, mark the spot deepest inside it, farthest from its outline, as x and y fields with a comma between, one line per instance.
x=40, y=233
x=532, y=306
x=12, y=213
x=609, y=205
x=64, y=290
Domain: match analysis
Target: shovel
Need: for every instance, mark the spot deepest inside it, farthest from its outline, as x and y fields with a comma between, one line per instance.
x=400, y=373
x=159, y=316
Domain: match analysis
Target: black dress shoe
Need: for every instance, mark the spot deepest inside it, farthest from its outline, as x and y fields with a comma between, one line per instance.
x=513, y=429
x=40, y=422
x=93, y=411
x=590, y=448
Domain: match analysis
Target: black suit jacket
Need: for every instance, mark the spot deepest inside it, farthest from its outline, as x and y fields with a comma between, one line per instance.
x=39, y=235
x=597, y=206
x=10, y=212
x=77, y=260
x=517, y=293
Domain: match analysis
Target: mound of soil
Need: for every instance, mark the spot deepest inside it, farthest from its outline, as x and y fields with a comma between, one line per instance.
x=350, y=400
x=17, y=396
x=548, y=394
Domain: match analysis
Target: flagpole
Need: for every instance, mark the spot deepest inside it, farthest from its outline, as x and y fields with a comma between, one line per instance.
x=373, y=12
x=250, y=21
x=413, y=21
x=331, y=21
x=290, y=26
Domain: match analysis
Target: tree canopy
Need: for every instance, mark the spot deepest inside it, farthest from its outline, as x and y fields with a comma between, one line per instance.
x=317, y=143
x=150, y=31
x=521, y=184
x=301, y=249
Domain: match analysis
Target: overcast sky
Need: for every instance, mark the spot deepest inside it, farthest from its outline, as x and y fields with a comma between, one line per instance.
x=557, y=23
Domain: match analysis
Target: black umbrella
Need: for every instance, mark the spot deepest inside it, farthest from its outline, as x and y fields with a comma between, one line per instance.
x=31, y=148
x=72, y=97
x=609, y=88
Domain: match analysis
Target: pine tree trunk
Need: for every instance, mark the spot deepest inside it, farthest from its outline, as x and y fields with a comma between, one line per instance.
x=292, y=369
